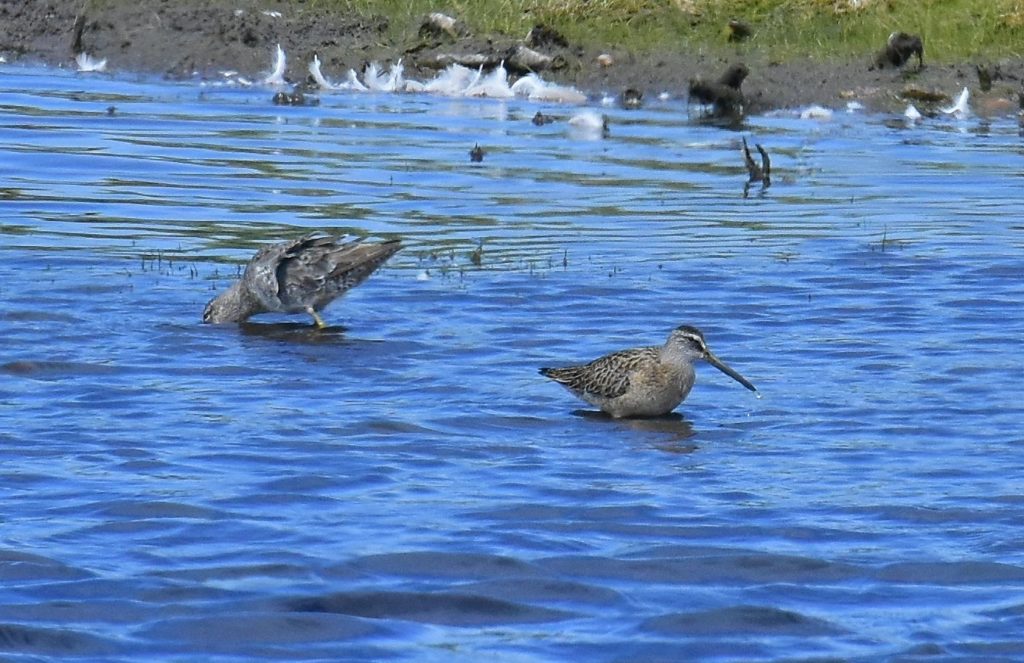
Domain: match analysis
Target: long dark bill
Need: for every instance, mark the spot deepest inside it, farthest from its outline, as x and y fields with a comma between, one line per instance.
x=720, y=365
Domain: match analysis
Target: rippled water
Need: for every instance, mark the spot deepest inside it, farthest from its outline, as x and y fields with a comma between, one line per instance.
x=404, y=485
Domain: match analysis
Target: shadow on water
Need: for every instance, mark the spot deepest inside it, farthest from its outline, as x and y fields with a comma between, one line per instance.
x=672, y=426
x=294, y=332
x=53, y=369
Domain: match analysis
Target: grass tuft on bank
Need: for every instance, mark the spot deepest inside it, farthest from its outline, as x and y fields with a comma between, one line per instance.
x=953, y=30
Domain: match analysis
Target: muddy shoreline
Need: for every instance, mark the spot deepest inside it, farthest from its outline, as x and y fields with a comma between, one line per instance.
x=190, y=38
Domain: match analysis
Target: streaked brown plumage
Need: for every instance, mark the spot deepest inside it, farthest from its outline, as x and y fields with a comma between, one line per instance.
x=642, y=382
x=304, y=274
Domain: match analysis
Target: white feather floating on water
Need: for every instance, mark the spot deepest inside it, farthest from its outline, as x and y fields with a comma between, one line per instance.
x=373, y=78
x=452, y=81
x=413, y=86
x=276, y=77
x=587, y=120
x=526, y=85
x=474, y=79
x=351, y=81
x=455, y=80
x=960, y=109
x=493, y=85
x=588, y=124
x=816, y=113
x=535, y=88
x=561, y=94
x=396, y=77
x=321, y=80
x=378, y=81
x=231, y=77
x=87, y=63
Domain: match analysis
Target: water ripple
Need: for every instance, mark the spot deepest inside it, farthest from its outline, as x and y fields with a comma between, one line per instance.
x=403, y=483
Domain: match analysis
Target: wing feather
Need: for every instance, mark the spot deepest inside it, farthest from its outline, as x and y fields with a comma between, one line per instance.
x=605, y=377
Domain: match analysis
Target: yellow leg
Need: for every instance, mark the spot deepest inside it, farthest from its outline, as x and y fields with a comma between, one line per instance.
x=320, y=324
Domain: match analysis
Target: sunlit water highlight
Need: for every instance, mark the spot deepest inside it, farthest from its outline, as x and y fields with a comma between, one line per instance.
x=404, y=485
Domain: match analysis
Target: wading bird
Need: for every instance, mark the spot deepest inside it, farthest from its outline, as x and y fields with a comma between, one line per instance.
x=643, y=382
x=301, y=275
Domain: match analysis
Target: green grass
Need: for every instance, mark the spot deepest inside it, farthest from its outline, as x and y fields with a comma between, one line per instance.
x=952, y=29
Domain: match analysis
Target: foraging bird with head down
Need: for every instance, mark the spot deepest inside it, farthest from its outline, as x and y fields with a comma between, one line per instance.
x=304, y=274
x=643, y=382
x=757, y=173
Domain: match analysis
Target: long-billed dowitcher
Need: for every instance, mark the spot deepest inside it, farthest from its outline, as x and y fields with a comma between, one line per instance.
x=643, y=382
x=304, y=274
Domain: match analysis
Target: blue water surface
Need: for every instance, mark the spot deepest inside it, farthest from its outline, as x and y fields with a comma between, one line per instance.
x=403, y=485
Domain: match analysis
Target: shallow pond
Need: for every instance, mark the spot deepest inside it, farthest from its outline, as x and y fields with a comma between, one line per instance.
x=403, y=484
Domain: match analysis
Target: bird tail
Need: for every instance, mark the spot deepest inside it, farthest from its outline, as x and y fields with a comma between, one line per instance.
x=363, y=260
x=559, y=375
